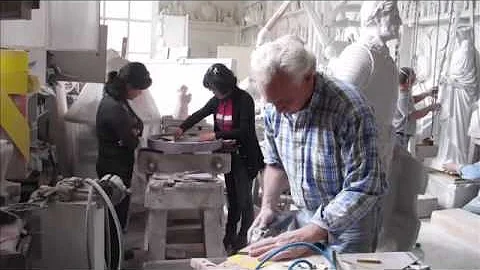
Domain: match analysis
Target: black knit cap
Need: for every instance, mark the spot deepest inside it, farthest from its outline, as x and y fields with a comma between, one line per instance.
x=136, y=75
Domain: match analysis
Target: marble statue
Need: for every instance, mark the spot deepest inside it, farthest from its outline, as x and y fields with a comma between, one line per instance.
x=207, y=12
x=228, y=18
x=474, y=127
x=181, y=108
x=367, y=64
x=459, y=95
x=176, y=8
x=333, y=50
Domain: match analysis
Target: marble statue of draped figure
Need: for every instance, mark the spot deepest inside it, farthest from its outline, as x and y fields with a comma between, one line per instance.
x=367, y=64
x=459, y=95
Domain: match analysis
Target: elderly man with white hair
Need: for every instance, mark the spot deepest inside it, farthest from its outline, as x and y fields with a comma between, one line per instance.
x=321, y=142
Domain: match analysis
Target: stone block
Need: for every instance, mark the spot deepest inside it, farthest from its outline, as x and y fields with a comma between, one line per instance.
x=451, y=191
x=459, y=223
x=426, y=204
x=194, y=195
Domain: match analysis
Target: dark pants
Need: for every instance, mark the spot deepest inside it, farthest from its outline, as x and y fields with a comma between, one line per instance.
x=125, y=173
x=240, y=204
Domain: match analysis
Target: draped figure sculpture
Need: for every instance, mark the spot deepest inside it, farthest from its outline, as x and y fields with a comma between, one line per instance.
x=460, y=91
x=367, y=64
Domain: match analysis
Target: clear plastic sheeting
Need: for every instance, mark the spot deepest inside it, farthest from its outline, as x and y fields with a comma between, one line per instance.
x=6, y=151
x=144, y=106
x=84, y=110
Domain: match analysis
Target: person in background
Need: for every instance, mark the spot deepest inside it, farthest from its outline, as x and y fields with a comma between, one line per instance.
x=234, y=118
x=118, y=130
x=405, y=117
x=321, y=142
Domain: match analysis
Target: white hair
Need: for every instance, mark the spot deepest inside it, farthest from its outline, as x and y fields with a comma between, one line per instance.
x=372, y=10
x=286, y=54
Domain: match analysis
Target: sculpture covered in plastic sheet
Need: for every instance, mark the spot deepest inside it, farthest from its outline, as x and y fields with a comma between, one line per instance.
x=458, y=97
x=367, y=64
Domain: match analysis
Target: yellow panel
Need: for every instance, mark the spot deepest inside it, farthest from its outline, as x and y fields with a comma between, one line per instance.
x=33, y=84
x=14, y=82
x=15, y=124
x=13, y=61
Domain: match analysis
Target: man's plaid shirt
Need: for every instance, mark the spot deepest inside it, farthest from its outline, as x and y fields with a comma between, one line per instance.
x=329, y=153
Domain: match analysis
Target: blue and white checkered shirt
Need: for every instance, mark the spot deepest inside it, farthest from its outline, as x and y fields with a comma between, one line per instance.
x=329, y=153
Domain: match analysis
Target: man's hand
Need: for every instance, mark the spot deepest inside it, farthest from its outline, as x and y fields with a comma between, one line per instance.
x=310, y=233
x=178, y=133
x=207, y=136
x=434, y=91
x=451, y=167
x=263, y=219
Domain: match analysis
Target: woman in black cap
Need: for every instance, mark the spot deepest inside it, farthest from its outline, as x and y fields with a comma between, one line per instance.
x=118, y=132
x=234, y=118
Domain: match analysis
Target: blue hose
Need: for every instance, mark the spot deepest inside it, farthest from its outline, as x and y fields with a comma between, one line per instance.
x=317, y=247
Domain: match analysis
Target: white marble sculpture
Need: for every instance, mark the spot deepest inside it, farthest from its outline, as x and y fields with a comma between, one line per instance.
x=173, y=8
x=207, y=12
x=460, y=91
x=474, y=127
x=181, y=108
x=367, y=64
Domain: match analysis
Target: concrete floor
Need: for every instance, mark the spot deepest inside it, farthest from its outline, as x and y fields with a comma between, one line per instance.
x=437, y=249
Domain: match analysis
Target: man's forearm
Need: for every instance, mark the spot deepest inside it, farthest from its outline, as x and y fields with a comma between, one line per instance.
x=274, y=183
x=420, y=97
x=420, y=113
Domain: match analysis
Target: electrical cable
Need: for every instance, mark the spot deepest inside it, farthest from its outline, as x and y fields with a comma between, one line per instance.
x=317, y=247
x=434, y=82
x=87, y=227
x=300, y=261
x=114, y=216
x=108, y=243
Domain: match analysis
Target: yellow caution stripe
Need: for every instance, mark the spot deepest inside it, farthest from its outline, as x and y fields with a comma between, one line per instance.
x=14, y=81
